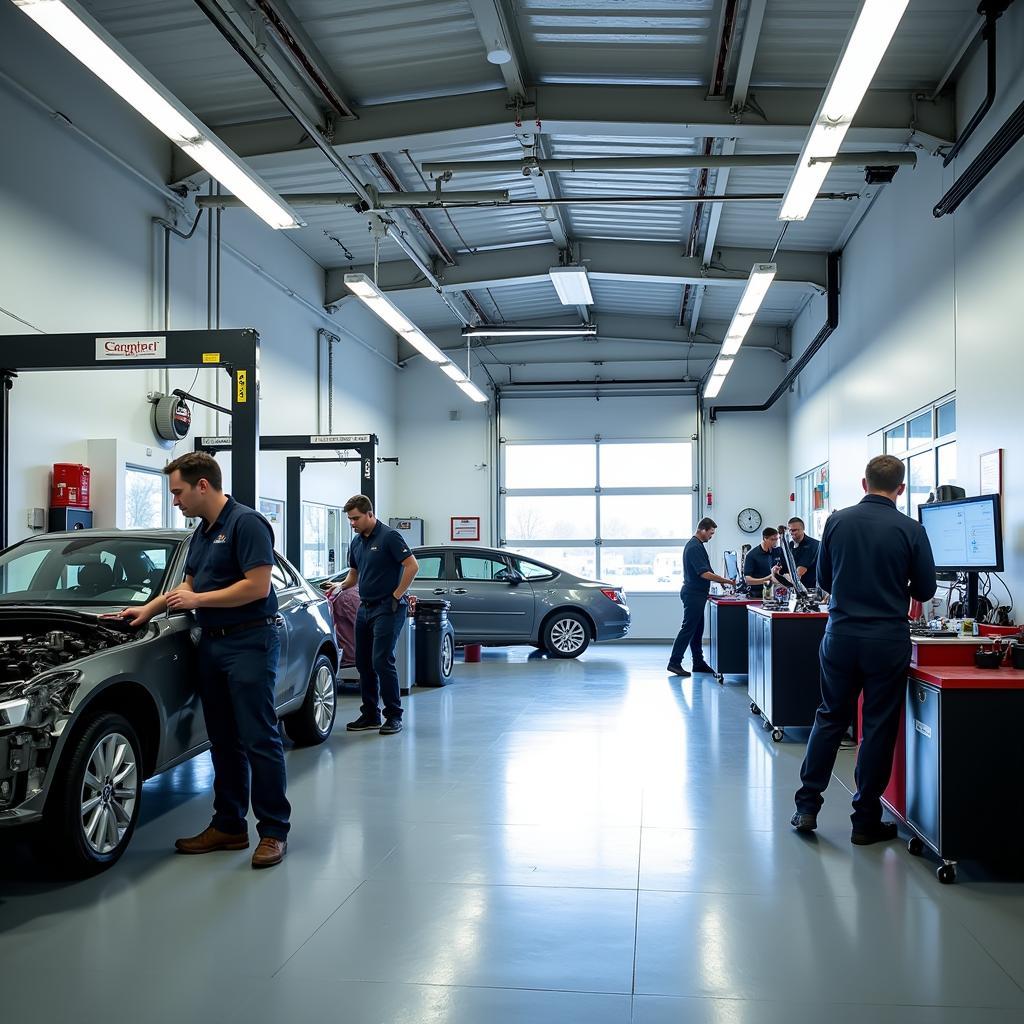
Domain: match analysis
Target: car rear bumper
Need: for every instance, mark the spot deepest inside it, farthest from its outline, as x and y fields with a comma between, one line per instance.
x=612, y=630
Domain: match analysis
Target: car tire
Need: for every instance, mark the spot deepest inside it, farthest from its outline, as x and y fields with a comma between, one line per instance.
x=313, y=722
x=566, y=635
x=92, y=814
x=447, y=655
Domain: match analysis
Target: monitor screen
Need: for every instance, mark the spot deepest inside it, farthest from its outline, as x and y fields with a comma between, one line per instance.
x=966, y=535
x=732, y=569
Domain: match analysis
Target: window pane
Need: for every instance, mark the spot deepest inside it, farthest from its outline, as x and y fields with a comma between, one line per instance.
x=550, y=465
x=896, y=440
x=430, y=567
x=657, y=516
x=947, y=463
x=579, y=561
x=646, y=465
x=531, y=570
x=314, y=540
x=922, y=480
x=473, y=567
x=550, y=518
x=920, y=428
x=143, y=500
x=945, y=417
x=643, y=569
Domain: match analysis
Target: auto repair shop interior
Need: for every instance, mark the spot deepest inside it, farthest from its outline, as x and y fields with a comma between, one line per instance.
x=551, y=281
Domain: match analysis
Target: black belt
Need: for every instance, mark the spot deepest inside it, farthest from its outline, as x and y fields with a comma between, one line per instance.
x=216, y=632
x=380, y=601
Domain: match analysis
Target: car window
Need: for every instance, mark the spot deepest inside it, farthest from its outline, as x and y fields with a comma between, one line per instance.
x=431, y=567
x=280, y=577
x=533, y=571
x=474, y=567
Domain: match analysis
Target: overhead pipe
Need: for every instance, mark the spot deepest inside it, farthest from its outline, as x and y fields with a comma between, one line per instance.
x=662, y=163
x=831, y=323
x=378, y=201
x=998, y=146
x=992, y=11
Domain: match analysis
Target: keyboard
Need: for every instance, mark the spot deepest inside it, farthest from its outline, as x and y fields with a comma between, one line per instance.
x=925, y=632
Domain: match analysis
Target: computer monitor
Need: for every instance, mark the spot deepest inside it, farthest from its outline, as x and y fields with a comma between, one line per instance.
x=966, y=535
x=732, y=569
x=789, y=565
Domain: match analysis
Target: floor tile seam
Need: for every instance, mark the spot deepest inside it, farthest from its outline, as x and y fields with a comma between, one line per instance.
x=789, y=1001
x=984, y=948
x=511, y=885
x=614, y=993
x=636, y=915
x=316, y=931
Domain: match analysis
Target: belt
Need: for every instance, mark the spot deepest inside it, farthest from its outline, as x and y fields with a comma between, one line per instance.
x=216, y=632
x=380, y=601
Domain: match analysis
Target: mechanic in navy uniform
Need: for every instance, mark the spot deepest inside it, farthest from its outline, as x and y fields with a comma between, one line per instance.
x=227, y=584
x=381, y=563
x=763, y=561
x=697, y=579
x=805, y=554
x=873, y=559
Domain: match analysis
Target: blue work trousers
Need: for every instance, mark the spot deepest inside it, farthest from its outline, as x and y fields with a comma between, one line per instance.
x=691, y=632
x=850, y=666
x=377, y=632
x=237, y=682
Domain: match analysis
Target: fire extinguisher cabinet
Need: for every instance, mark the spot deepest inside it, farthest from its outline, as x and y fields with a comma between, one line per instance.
x=70, y=487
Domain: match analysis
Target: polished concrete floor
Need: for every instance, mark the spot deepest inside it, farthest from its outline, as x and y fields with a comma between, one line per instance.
x=547, y=841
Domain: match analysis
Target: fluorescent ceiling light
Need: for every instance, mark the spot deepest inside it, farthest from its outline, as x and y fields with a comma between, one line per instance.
x=69, y=24
x=865, y=46
x=511, y=331
x=367, y=292
x=470, y=389
x=722, y=367
x=758, y=283
x=713, y=386
x=424, y=346
x=451, y=370
x=572, y=286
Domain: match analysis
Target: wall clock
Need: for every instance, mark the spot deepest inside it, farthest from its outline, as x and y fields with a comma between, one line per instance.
x=749, y=520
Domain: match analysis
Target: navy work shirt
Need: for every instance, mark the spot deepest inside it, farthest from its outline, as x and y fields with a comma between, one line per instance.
x=873, y=559
x=805, y=554
x=759, y=563
x=239, y=540
x=695, y=564
x=378, y=560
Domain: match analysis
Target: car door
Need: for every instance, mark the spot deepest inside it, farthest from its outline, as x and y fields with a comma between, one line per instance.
x=431, y=583
x=292, y=602
x=486, y=606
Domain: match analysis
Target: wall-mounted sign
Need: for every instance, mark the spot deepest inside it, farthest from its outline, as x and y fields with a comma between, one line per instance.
x=465, y=527
x=131, y=348
x=241, y=386
x=217, y=442
x=339, y=439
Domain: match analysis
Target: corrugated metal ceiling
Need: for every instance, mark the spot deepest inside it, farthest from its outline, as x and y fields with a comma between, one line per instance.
x=779, y=309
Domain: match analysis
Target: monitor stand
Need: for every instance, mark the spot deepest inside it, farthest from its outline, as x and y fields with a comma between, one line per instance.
x=971, y=602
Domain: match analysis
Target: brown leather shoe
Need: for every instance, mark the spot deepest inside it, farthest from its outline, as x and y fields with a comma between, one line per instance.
x=211, y=839
x=269, y=852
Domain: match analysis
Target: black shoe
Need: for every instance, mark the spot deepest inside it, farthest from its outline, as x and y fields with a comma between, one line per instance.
x=865, y=835
x=363, y=724
x=677, y=670
x=703, y=668
x=804, y=822
x=391, y=726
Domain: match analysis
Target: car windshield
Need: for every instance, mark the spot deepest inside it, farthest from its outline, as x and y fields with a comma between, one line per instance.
x=85, y=571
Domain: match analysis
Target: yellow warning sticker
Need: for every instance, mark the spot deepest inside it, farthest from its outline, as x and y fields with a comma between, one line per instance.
x=211, y=357
x=241, y=386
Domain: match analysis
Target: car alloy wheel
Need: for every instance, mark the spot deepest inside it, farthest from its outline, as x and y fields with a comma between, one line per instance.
x=324, y=698
x=447, y=656
x=568, y=635
x=109, y=793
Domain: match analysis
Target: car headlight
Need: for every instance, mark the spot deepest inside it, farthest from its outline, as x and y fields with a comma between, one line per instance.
x=13, y=712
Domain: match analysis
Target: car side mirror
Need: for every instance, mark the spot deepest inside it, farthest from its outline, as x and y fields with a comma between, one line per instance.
x=509, y=576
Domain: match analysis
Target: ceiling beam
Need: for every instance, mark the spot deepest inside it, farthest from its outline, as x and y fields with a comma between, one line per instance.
x=629, y=261
x=748, y=50
x=885, y=118
x=498, y=32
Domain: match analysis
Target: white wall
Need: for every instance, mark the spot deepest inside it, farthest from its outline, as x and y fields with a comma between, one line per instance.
x=928, y=307
x=79, y=253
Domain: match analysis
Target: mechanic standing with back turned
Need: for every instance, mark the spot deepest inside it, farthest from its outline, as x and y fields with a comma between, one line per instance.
x=227, y=584
x=381, y=563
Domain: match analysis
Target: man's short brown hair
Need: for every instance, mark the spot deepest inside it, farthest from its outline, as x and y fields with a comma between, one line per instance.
x=359, y=503
x=885, y=473
x=796, y=519
x=769, y=531
x=707, y=524
x=196, y=466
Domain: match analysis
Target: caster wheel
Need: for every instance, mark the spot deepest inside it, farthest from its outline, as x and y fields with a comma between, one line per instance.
x=754, y=709
x=766, y=726
x=777, y=735
x=946, y=874
x=915, y=847
x=721, y=679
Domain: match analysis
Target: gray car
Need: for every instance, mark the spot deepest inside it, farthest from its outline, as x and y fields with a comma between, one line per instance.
x=90, y=707
x=499, y=598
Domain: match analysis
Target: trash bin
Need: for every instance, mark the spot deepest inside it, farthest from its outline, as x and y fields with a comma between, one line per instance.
x=435, y=643
x=405, y=657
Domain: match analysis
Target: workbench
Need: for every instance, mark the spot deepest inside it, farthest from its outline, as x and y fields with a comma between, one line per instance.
x=727, y=652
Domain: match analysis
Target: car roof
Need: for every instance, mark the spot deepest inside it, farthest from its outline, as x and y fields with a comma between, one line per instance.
x=476, y=549
x=168, y=534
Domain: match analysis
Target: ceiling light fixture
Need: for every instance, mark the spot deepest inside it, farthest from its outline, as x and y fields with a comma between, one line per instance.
x=713, y=386
x=512, y=331
x=572, y=285
x=866, y=44
x=499, y=54
x=82, y=36
x=471, y=390
x=758, y=283
x=451, y=370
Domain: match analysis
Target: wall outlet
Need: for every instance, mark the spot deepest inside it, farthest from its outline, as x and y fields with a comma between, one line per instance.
x=35, y=518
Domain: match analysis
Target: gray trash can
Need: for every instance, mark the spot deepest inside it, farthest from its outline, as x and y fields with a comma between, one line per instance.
x=405, y=656
x=435, y=643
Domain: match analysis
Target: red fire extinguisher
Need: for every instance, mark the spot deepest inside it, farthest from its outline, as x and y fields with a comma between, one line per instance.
x=710, y=499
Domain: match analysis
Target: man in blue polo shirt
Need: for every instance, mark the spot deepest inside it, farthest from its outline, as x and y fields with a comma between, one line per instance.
x=805, y=554
x=763, y=561
x=227, y=583
x=381, y=563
